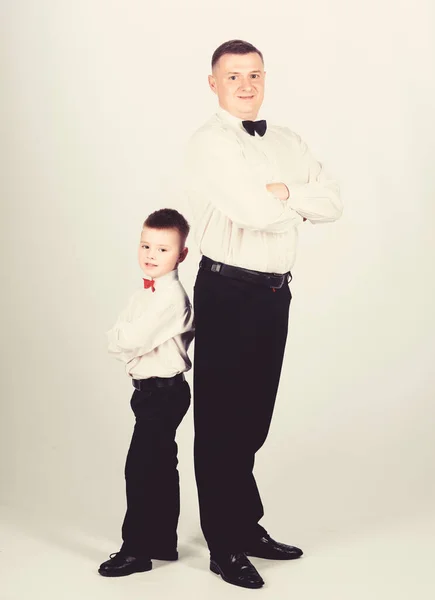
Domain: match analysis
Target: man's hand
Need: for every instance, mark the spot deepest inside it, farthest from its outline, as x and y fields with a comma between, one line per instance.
x=279, y=190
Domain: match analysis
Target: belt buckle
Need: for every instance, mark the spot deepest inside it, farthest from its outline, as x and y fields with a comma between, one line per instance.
x=216, y=267
x=281, y=283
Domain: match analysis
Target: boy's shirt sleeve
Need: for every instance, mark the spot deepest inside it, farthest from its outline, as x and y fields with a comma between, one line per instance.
x=130, y=338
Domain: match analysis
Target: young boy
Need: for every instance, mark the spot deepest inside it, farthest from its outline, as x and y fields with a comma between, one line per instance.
x=152, y=336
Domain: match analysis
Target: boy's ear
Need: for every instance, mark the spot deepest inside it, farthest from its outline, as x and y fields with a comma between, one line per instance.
x=183, y=255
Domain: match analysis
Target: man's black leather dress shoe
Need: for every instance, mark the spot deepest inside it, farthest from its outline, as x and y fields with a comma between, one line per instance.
x=121, y=564
x=236, y=569
x=266, y=547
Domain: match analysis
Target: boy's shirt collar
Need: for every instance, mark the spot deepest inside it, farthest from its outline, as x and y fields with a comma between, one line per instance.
x=164, y=281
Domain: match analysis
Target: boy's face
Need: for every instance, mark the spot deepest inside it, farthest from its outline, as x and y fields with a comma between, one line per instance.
x=160, y=251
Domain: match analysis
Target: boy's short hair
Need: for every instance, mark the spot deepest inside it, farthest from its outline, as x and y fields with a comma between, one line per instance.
x=168, y=218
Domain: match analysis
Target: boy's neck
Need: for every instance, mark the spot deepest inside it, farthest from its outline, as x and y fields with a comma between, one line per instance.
x=170, y=276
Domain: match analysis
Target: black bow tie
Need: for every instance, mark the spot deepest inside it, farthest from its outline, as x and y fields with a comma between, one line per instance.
x=255, y=126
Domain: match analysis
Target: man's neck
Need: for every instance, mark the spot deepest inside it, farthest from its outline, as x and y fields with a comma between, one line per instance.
x=243, y=117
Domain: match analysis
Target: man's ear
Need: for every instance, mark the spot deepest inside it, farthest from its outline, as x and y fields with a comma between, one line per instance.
x=212, y=83
x=183, y=255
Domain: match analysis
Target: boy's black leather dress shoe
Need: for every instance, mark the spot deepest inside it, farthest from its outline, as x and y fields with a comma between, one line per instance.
x=236, y=569
x=164, y=554
x=266, y=547
x=120, y=564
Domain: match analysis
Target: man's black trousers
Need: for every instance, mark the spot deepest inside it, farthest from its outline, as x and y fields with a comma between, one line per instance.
x=241, y=331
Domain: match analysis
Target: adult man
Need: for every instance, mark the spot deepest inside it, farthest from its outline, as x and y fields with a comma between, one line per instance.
x=249, y=187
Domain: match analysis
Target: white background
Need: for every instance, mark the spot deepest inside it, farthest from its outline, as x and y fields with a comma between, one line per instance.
x=99, y=99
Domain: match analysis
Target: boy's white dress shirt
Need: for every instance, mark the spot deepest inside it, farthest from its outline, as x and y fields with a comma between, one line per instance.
x=154, y=331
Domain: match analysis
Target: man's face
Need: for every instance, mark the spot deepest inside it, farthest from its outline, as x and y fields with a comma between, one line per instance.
x=238, y=81
x=160, y=251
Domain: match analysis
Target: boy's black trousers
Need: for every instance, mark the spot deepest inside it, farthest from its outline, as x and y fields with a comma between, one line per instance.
x=152, y=480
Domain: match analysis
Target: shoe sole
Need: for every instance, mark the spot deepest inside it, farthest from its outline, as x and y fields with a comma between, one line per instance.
x=214, y=567
x=275, y=557
x=124, y=574
x=168, y=557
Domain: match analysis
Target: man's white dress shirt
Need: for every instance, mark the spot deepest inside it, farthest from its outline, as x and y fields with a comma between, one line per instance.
x=235, y=220
x=154, y=331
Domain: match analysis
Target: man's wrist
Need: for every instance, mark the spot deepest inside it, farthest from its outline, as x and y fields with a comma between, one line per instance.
x=279, y=190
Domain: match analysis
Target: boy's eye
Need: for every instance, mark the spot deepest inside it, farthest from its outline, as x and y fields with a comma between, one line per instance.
x=233, y=77
x=162, y=249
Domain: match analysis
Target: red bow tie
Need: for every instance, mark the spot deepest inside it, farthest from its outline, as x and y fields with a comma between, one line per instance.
x=149, y=283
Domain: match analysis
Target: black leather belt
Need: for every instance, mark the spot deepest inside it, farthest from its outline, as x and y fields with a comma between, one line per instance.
x=271, y=280
x=157, y=382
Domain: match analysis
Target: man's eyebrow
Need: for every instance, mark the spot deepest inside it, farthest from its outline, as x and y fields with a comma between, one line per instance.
x=237, y=72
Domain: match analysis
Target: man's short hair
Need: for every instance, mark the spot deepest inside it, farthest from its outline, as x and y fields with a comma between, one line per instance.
x=168, y=218
x=234, y=47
